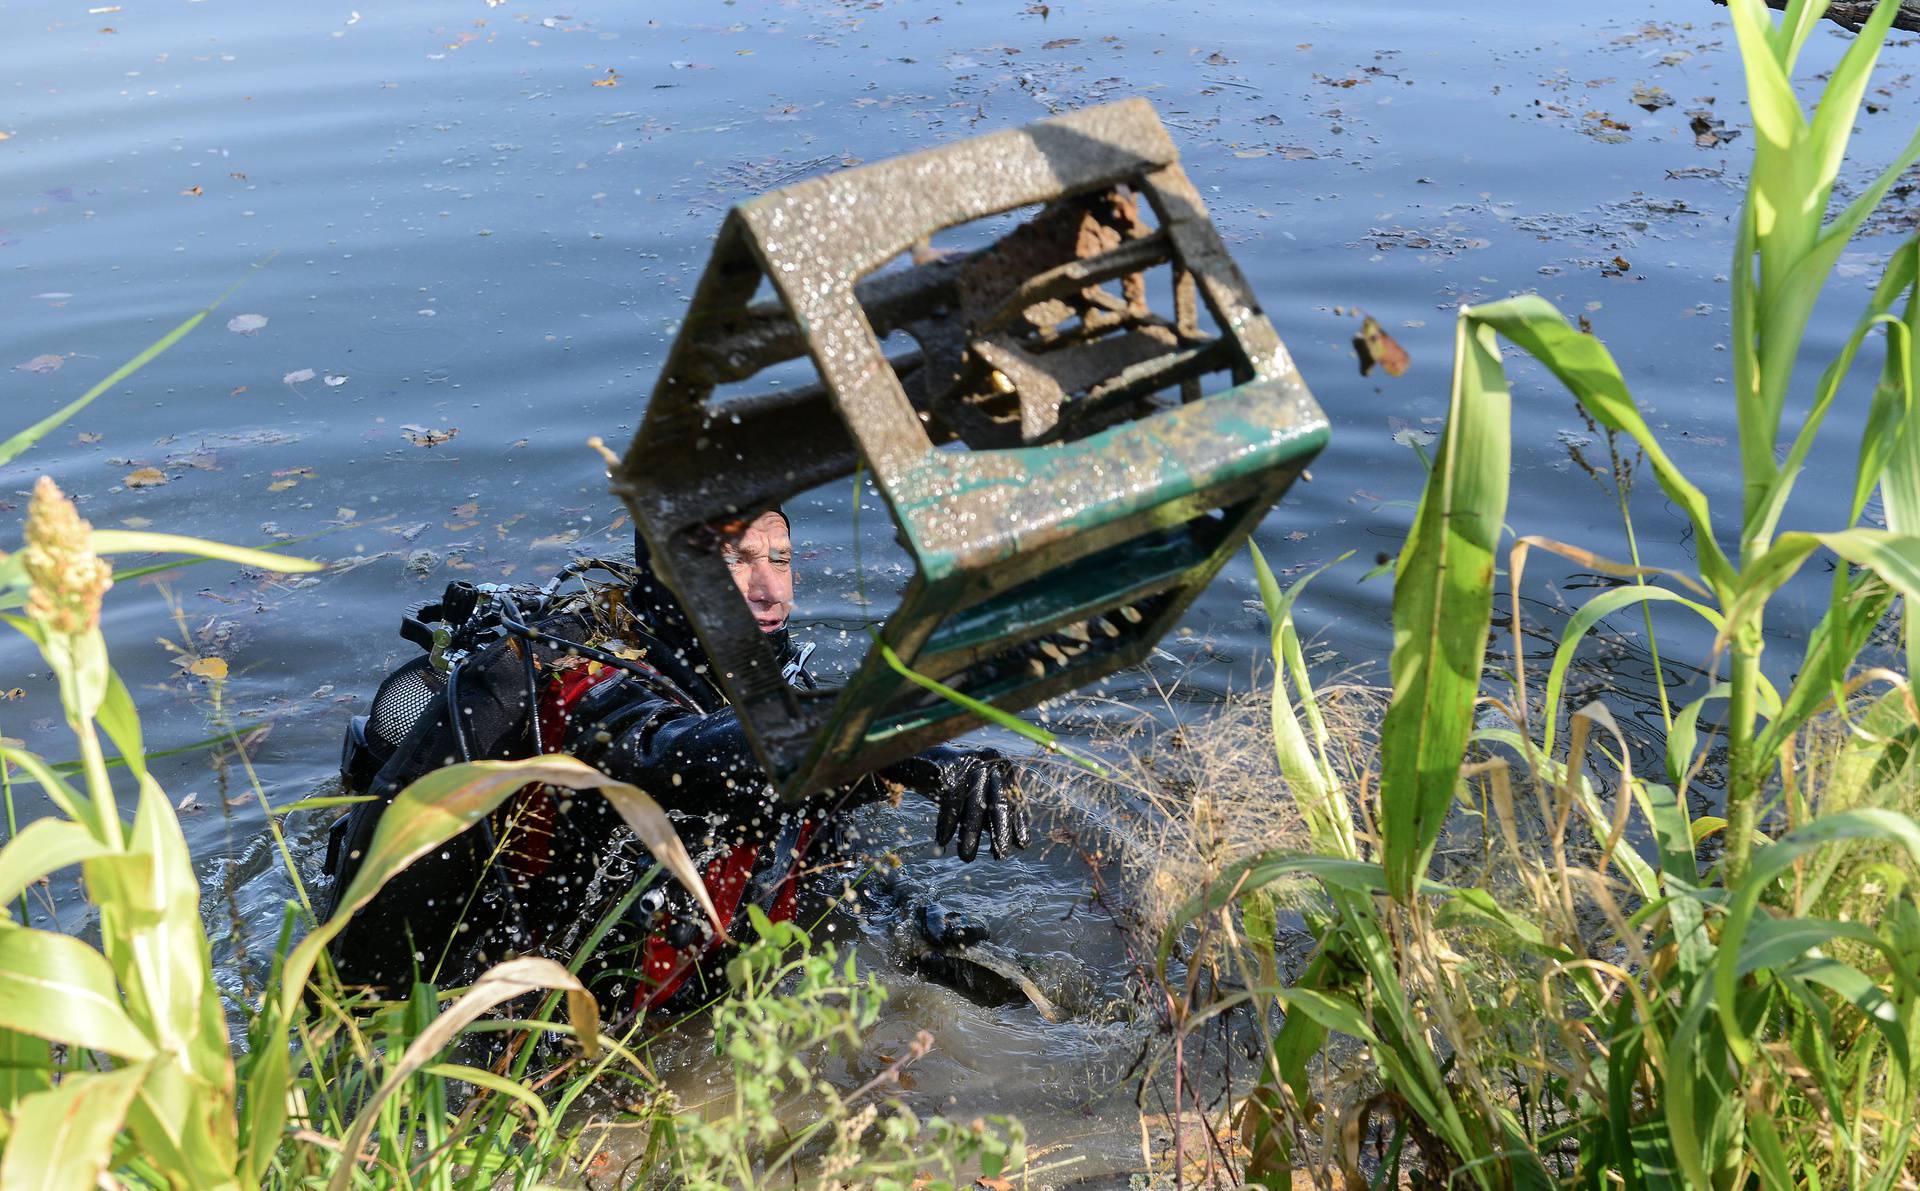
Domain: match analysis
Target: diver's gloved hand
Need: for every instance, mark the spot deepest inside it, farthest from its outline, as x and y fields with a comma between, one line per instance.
x=975, y=790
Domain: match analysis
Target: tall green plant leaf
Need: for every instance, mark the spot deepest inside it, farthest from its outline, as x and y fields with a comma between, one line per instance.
x=43, y=846
x=1443, y=596
x=1883, y=418
x=53, y=986
x=64, y=1138
x=1582, y=363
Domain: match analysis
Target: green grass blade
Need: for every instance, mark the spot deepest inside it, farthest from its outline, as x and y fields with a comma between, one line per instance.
x=986, y=711
x=1583, y=621
x=47, y=425
x=127, y=541
x=1303, y=762
x=480, y=1078
x=1685, y=736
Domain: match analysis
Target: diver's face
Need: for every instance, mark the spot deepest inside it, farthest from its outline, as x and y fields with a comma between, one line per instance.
x=761, y=561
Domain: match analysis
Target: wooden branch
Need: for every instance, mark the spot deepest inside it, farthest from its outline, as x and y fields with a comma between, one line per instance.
x=1851, y=14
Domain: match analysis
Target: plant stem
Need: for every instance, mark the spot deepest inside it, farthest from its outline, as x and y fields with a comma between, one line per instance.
x=94, y=762
x=1743, y=770
x=13, y=829
x=1646, y=608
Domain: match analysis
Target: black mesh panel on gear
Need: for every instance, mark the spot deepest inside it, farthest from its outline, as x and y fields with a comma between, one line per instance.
x=402, y=699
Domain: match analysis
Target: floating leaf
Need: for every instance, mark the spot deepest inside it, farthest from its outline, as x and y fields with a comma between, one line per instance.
x=421, y=436
x=1652, y=98
x=1376, y=348
x=246, y=324
x=42, y=364
x=1708, y=129
x=334, y=382
x=214, y=669
x=297, y=376
x=145, y=477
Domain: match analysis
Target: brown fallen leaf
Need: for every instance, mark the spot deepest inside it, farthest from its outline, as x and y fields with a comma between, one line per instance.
x=1650, y=96
x=212, y=669
x=145, y=477
x=1376, y=348
x=193, y=192
x=42, y=364
x=421, y=436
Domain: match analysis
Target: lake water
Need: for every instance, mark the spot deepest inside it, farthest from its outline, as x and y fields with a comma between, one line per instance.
x=475, y=226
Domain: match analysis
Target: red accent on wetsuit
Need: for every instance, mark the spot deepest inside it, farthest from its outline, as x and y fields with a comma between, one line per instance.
x=525, y=823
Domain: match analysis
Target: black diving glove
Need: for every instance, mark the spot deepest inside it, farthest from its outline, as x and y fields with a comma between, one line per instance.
x=975, y=790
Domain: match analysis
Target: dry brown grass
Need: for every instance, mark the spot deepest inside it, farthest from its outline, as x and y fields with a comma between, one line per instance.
x=1192, y=791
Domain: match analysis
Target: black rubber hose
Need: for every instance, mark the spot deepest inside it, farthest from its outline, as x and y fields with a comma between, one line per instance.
x=454, y=714
x=510, y=616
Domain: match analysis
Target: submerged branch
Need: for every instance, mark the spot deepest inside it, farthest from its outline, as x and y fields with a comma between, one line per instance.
x=1851, y=14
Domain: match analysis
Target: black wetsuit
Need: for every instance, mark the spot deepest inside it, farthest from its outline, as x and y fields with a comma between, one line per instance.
x=455, y=911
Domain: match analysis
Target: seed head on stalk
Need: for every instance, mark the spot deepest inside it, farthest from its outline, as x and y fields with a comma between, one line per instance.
x=69, y=579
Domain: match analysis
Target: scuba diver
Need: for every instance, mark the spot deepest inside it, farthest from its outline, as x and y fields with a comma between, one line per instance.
x=611, y=672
